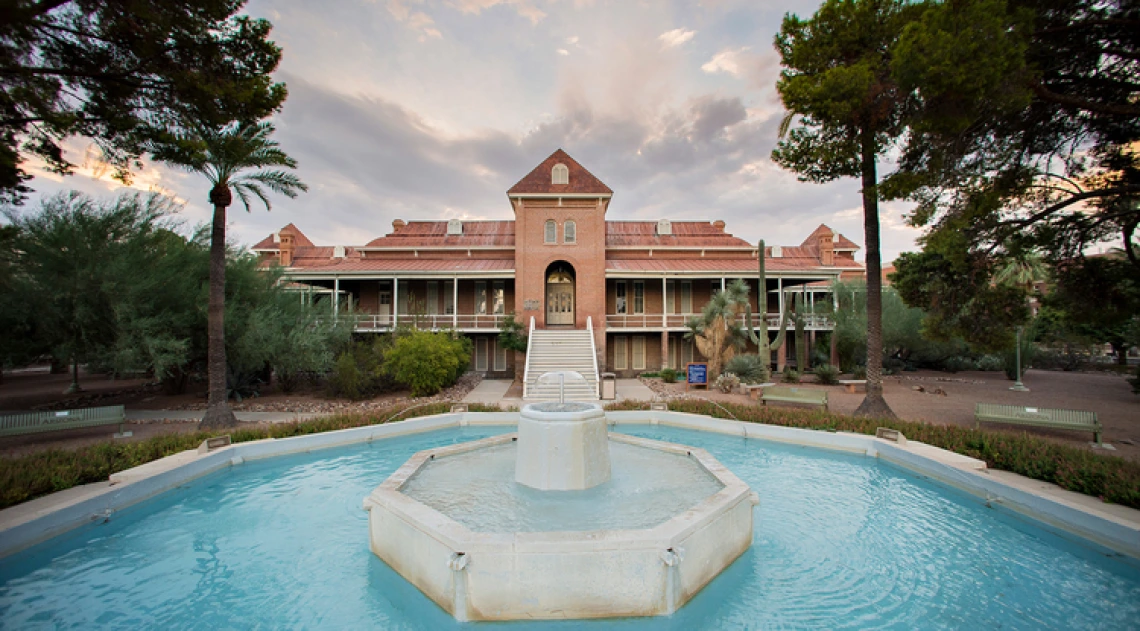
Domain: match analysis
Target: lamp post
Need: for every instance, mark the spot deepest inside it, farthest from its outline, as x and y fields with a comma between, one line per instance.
x=1018, y=386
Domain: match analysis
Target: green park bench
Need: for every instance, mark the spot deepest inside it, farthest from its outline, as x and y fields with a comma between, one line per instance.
x=1042, y=417
x=36, y=422
x=807, y=396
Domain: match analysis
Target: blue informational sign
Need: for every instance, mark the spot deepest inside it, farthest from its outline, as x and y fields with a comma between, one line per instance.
x=697, y=375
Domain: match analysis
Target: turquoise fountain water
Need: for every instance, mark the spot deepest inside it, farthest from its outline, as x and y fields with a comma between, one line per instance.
x=840, y=542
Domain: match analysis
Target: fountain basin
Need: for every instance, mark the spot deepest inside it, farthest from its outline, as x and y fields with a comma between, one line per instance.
x=555, y=574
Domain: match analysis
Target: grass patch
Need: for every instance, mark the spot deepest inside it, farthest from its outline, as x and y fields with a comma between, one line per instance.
x=1110, y=478
x=27, y=477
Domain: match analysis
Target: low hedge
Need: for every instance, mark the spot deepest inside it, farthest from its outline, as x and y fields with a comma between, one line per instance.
x=23, y=478
x=1110, y=478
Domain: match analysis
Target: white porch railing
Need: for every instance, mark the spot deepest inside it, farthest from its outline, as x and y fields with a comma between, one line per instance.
x=526, y=371
x=812, y=321
x=374, y=322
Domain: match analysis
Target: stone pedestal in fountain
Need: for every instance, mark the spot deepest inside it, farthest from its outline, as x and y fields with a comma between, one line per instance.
x=562, y=447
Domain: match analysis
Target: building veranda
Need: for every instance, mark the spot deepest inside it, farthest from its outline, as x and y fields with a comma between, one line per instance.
x=560, y=265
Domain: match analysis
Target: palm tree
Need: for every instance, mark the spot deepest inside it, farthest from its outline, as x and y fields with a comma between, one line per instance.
x=225, y=156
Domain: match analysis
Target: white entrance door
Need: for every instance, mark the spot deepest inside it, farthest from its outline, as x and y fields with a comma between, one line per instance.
x=560, y=304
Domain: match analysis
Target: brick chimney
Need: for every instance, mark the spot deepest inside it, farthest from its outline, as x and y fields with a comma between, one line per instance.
x=719, y=225
x=287, y=247
x=397, y=224
x=826, y=250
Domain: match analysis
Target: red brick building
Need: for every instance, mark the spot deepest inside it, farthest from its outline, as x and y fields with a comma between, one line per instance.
x=561, y=264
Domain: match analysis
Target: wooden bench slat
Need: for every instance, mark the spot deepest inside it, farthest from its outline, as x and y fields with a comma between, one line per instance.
x=795, y=395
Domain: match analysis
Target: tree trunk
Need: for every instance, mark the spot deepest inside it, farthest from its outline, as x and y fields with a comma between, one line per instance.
x=1121, y=350
x=873, y=405
x=218, y=413
x=74, y=387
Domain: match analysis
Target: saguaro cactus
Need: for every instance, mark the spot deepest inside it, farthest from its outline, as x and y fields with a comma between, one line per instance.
x=764, y=347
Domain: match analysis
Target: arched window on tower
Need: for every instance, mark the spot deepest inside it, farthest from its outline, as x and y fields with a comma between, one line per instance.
x=560, y=174
x=569, y=232
x=551, y=235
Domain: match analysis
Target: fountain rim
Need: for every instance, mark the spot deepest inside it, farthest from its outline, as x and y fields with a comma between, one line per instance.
x=662, y=536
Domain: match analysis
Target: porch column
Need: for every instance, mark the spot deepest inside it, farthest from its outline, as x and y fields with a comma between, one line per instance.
x=395, y=300
x=455, y=304
x=780, y=294
x=722, y=283
x=664, y=350
x=664, y=307
x=336, y=296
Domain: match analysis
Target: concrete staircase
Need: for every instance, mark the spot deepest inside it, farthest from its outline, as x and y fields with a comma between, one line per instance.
x=553, y=350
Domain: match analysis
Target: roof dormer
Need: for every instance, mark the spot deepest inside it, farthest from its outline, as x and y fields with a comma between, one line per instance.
x=455, y=227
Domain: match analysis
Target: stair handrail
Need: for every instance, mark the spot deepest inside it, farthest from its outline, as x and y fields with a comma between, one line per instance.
x=593, y=352
x=526, y=369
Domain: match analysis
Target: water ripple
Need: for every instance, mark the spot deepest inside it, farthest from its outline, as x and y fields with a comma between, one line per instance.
x=840, y=542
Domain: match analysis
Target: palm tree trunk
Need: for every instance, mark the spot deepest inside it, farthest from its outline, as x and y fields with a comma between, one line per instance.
x=873, y=405
x=218, y=413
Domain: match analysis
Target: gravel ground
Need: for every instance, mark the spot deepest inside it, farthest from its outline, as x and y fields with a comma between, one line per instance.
x=950, y=398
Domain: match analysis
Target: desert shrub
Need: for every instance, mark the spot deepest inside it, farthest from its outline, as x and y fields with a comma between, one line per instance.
x=892, y=365
x=427, y=362
x=727, y=382
x=990, y=363
x=512, y=335
x=958, y=363
x=668, y=375
x=791, y=376
x=827, y=374
x=748, y=367
x=359, y=370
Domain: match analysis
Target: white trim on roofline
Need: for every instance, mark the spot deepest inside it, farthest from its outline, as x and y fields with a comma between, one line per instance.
x=388, y=274
x=559, y=195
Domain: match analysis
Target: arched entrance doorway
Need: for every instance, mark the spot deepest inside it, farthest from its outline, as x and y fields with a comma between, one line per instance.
x=560, y=294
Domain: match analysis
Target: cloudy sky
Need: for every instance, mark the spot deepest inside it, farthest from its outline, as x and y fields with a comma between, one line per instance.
x=426, y=109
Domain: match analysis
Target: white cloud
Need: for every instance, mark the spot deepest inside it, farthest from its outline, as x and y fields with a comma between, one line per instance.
x=563, y=52
x=675, y=37
x=522, y=7
x=572, y=40
x=727, y=61
x=417, y=21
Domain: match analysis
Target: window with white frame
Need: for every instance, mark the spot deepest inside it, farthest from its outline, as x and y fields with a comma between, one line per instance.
x=481, y=354
x=560, y=174
x=499, y=296
x=500, y=357
x=403, y=293
x=449, y=297
x=433, y=297
x=619, y=303
x=481, y=297
x=670, y=293
x=569, y=232
x=686, y=296
x=639, y=352
x=639, y=296
x=550, y=234
x=620, y=353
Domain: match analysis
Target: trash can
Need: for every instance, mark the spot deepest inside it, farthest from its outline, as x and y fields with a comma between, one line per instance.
x=608, y=386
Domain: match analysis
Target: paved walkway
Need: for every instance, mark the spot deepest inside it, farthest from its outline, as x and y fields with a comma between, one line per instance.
x=633, y=389
x=489, y=392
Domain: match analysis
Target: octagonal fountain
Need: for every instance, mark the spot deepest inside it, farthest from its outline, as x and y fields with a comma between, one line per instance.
x=561, y=520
